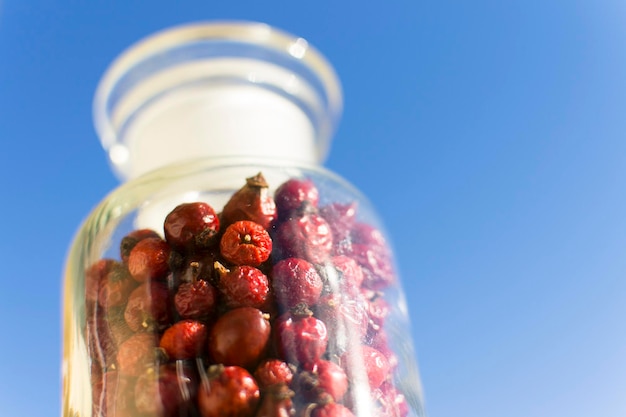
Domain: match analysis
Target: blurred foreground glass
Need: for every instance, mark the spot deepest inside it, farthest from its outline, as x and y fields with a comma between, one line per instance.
x=231, y=274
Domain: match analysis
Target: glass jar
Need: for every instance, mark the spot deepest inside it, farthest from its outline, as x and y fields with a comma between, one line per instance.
x=230, y=274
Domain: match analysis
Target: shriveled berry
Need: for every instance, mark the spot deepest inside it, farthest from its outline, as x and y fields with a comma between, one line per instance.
x=148, y=260
x=346, y=321
x=94, y=275
x=229, y=391
x=365, y=234
x=185, y=339
x=350, y=274
x=196, y=300
x=130, y=240
x=296, y=281
x=391, y=401
x=307, y=237
x=240, y=337
x=276, y=402
x=191, y=226
x=322, y=378
x=300, y=339
x=112, y=395
x=377, y=263
x=116, y=287
x=243, y=286
x=372, y=360
x=105, y=331
x=148, y=307
x=293, y=195
x=252, y=202
x=331, y=410
x=166, y=391
x=273, y=371
x=137, y=353
x=341, y=219
x=246, y=243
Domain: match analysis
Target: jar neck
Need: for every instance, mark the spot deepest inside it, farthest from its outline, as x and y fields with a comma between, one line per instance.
x=216, y=90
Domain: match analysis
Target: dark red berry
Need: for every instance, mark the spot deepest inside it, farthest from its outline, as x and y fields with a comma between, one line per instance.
x=307, y=237
x=300, y=339
x=165, y=391
x=246, y=243
x=196, y=300
x=340, y=218
x=350, y=274
x=185, y=339
x=276, y=402
x=148, y=308
x=130, y=240
x=293, y=195
x=191, y=226
x=273, y=371
x=116, y=287
x=366, y=234
x=137, y=353
x=105, y=331
x=321, y=379
x=331, y=410
x=94, y=275
x=252, y=202
x=296, y=281
x=346, y=321
x=243, y=286
x=148, y=260
x=240, y=337
x=377, y=263
x=228, y=391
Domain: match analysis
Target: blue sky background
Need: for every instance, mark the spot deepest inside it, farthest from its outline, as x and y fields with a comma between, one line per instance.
x=490, y=136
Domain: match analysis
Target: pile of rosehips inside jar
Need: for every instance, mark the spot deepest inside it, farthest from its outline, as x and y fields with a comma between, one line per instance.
x=272, y=307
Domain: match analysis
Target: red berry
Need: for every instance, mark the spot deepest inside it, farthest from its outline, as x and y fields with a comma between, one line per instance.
x=94, y=275
x=196, y=300
x=377, y=263
x=148, y=308
x=300, y=339
x=112, y=396
x=345, y=319
x=105, y=331
x=273, y=371
x=191, y=226
x=148, y=260
x=340, y=218
x=136, y=354
x=296, y=281
x=307, y=237
x=116, y=287
x=276, y=402
x=331, y=410
x=243, y=286
x=185, y=340
x=240, y=337
x=165, y=391
x=376, y=365
x=130, y=240
x=294, y=195
x=246, y=243
x=229, y=391
x=323, y=378
x=252, y=202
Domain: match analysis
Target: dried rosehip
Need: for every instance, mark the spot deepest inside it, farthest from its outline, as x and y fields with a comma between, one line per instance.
x=106, y=330
x=148, y=260
x=165, y=391
x=137, y=353
x=130, y=240
x=350, y=274
x=252, y=202
x=300, y=338
x=294, y=195
x=243, y=286
x=191, y=226
x=228, y=391
x=148, y=308
x=116, y=287
x=240, y=337
x=323, y=378
x=378, y=271
x=246, y=243
x=112, y=396
x=307, y=237
x=273, y=371
x=376, y=365
x=276, y=402
x=185, y=340
x=340, y=218
x=296, y=281
x=94, y=275
x=331, y=410
x=346, y=321
x=196, y=300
